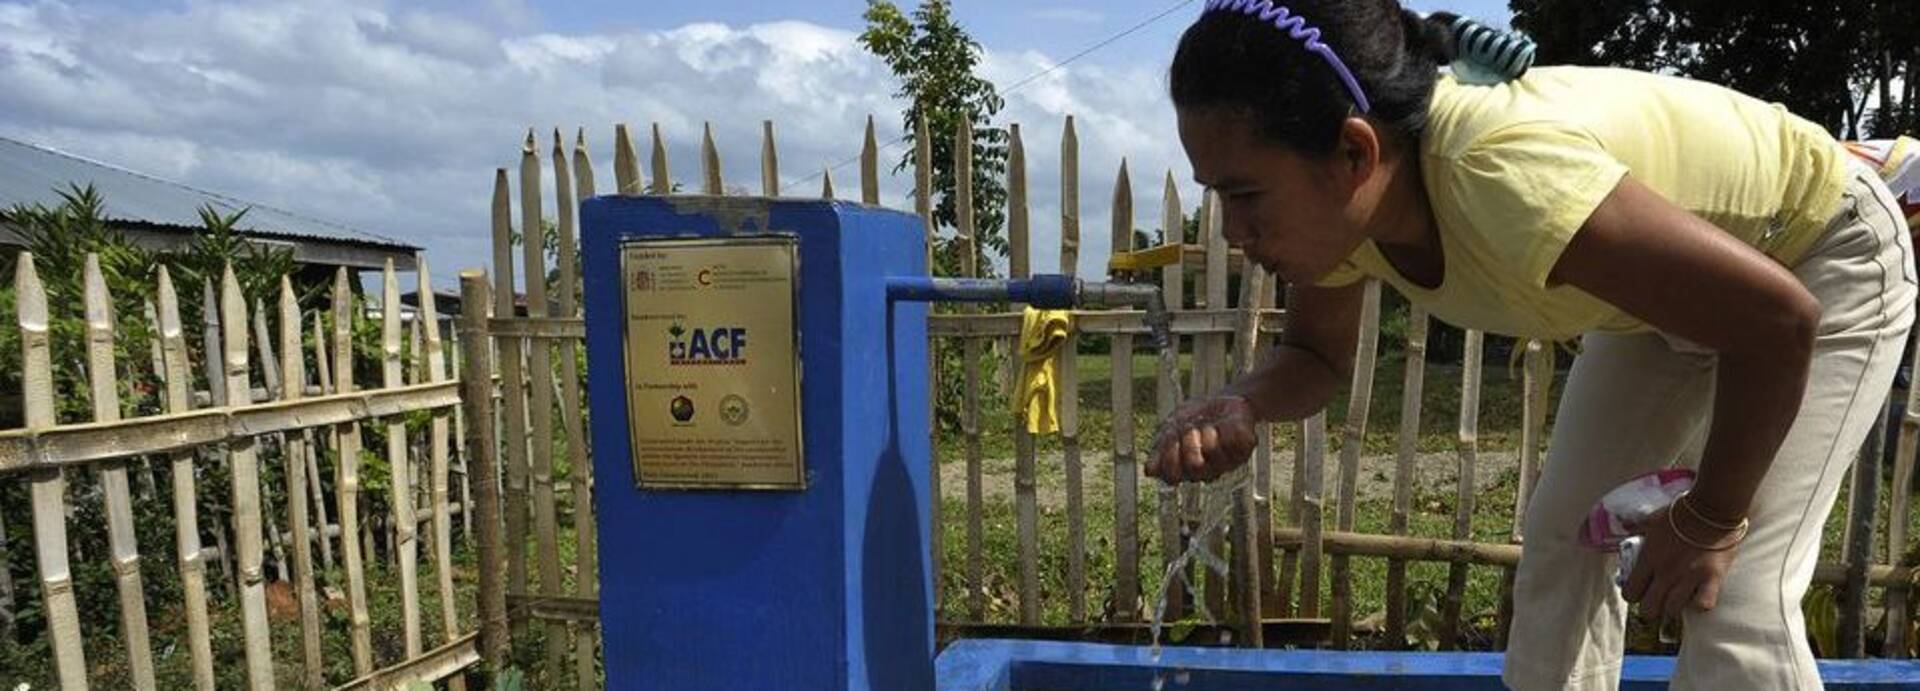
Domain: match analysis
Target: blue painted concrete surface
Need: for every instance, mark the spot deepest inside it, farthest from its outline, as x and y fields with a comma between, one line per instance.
x=996, y=665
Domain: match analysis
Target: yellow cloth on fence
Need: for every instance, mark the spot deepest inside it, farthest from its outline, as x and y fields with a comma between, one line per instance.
x=1042, y=333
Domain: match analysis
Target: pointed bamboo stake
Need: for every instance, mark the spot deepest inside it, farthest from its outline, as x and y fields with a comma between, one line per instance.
x=572, y=420
x=922, y=197
x=1469, y=450
x=626, y=164
x=970, y=414
x=1209, y=374
x=347, y=481
x=217, y=397
x=270, y=373
x=1173, y=288
x=460, y=450
x=149, y=484
x=1026, y=498
x=769, y=161
x=661, y=183
x=540, y=373
x=1353, y=437
x=325, y=381
x=399, y=484
x=710, y=164
x=193, y=568
x=293, y=375
x=438, y=444
x=49, y=486
x=826, y=183
x=1311, y=498
x=1126, y=469
x=514, y=399
x=1253, y=533
x=1533, y=418
x=1416, y=362
x=113, y=479
x=1067, y=364
x=870, y=167
x=246, y=491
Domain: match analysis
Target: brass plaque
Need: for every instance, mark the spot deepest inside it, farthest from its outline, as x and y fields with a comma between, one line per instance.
x=713, y=374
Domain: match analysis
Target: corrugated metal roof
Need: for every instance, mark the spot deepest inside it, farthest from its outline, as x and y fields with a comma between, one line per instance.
x=32, y=174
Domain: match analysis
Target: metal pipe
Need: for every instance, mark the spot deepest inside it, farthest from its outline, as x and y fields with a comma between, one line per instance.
x=1045, y=291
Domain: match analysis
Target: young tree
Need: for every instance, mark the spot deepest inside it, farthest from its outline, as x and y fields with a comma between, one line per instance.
x=934, y=59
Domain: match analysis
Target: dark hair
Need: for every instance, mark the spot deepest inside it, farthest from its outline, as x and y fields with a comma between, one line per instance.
x=1233, y=60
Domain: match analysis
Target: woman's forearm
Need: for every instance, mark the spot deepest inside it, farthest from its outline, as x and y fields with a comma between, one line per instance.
x=1756, y=398
x=1291, y=383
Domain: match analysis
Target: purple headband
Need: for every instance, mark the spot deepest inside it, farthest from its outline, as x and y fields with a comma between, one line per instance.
x=1296, y=27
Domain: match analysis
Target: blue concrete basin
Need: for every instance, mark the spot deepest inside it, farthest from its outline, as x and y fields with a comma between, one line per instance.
x=997, y=665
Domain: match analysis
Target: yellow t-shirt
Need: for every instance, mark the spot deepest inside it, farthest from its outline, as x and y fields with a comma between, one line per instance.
x=1513, y=170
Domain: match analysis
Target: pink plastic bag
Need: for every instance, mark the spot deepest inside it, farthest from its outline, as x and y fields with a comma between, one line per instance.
x=1613, y=517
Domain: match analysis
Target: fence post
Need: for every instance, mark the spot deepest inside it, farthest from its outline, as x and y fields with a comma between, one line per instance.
x=1469, y=452
x=293, y=377
x=476, y=303
x=709, y=164
x=662, y=185
x=769, y=161
x=1067, y=362
x=49, y=488
x=513, y=394
x=923, y=205
x=244, y=456
x=121, y=541
x=1173, y=286
x=186, y=516
x=540, y=377
x=323, y=371
x=870, y=167
x=1126, y=469
x=970, y=367
x=1354, y=434
x=1416, y=362
x=399, y=483
x=347, y=484
x=1026, y=500
x=586, y=557
x=1253, y=533
x=626, y=165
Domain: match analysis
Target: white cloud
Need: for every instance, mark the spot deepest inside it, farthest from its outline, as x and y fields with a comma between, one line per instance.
x=392, y=118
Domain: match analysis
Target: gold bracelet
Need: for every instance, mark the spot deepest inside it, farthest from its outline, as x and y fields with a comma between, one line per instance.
x=1702, y=517
x=1740, y=535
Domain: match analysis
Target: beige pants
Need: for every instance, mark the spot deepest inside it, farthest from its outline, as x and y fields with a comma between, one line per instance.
x=1634, y=402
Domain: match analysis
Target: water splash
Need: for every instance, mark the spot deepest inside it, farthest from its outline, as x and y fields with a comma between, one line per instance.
x=1207, y=507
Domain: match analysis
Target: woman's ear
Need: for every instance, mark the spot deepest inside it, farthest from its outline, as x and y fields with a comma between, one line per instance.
x=1358, y=153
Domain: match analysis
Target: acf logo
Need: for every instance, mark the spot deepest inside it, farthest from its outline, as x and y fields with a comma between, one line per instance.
x=715, y=346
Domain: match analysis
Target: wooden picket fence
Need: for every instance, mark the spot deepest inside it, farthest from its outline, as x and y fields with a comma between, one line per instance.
x=1282, y=550
x=286, y=417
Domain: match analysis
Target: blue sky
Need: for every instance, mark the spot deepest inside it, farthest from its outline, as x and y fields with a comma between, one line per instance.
x=391, y=115
x=1057, y=27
